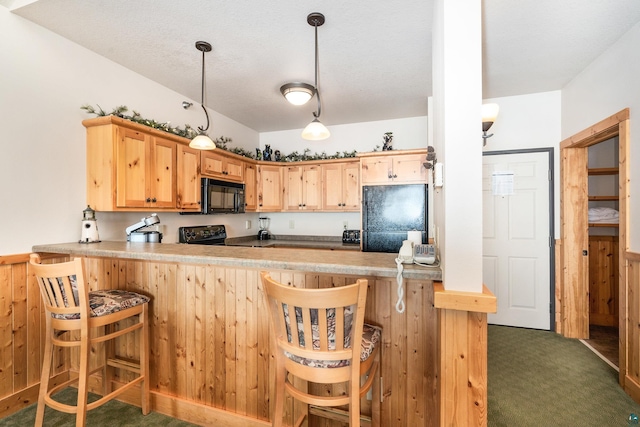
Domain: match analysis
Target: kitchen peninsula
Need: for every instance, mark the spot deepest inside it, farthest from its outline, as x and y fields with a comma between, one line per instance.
x=211, y=351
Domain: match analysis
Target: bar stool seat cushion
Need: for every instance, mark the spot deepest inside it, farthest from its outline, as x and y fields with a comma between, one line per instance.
x=103, y=302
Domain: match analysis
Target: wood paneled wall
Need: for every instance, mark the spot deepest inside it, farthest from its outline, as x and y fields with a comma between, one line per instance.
x=603, y=280
x=630, y=329
x=211, y=349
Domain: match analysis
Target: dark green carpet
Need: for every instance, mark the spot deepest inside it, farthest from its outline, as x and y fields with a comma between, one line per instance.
x=538, y=378
x=112, y=413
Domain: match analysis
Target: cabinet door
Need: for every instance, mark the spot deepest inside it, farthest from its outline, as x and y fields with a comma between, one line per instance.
x=293, y=188
x=409, y=168
x=234, y=170
x=270, y=193
x=332, y=193
x=351, y=186
x=376, y=170
x=162, y=193
x=211, y=164
x=132, y=168
x=250, y=187
x=188, y=178
x=311, y=187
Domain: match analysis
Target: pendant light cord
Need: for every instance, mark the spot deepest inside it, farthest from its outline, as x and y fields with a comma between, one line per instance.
x=200, y=128
x=317, y=114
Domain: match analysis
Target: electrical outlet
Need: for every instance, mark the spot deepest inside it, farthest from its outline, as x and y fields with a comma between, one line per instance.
x=345, y=224
x=292, y=224
x=247, y=224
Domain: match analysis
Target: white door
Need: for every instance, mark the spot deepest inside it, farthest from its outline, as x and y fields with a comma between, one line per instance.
x=517, y=237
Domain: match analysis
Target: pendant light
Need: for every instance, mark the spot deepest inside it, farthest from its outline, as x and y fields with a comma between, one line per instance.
x=316, y=131
x=202, y=141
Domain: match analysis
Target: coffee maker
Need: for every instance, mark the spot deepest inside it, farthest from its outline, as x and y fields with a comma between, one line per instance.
x=263, y=233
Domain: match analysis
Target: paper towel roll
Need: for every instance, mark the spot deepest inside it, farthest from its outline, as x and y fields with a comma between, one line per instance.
x=415, y=237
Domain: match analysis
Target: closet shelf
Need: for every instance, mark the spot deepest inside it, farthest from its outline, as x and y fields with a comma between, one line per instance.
x=603, y=171
x=602, y=224
x=602, y=198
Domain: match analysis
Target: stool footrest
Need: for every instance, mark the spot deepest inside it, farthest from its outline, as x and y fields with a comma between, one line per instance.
x=131, y=366
x=336, y=414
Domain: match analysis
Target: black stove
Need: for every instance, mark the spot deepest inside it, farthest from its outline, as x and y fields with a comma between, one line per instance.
x=202, y=235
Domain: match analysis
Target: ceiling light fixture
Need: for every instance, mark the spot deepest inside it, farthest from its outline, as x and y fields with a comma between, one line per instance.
x=316, y=131
x=298, y=93
x=202, y=141
x=489, y=115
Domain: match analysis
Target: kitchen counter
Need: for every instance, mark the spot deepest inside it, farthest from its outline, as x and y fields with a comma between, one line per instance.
x=300, y=242
x=350, y=262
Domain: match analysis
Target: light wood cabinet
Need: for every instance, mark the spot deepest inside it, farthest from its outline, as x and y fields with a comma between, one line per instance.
x=145, y=170
x=341, y=186
x=250, y=187
x=131, y=167
x=270, y=189
x=220, y=166
x=393, y=167
x=189, y=194
x=303, y=188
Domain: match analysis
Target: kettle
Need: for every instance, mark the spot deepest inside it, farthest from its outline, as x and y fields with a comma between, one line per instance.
x=89, y=226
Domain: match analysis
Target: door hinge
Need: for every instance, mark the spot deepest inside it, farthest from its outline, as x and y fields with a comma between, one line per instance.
x=550, y=174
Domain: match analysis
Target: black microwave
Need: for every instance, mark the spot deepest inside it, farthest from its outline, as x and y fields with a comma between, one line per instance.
x=222, y=196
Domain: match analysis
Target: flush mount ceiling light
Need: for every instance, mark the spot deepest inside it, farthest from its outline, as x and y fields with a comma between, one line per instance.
x=298, y=93
x=202, y=141
x=316, y=131
x=489, y=115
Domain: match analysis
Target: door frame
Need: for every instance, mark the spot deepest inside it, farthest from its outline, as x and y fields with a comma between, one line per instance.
x=552, y=264
x=574, y=231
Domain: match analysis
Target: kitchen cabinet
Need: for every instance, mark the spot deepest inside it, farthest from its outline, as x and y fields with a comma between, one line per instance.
x=393, y=167
x=250, y=187
x=188, y=194
x=221, y=166
x=145, y=170
x=131, y=167
x=341, y=186
x=270, y=188
x=303, y=187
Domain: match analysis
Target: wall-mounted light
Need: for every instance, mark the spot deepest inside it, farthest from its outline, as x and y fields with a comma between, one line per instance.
x=202, y=141
x=316, y=131
x=489, y=115
x=298, y=93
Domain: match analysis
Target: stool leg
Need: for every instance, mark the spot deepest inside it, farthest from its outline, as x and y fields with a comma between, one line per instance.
x=144, y=359
x=278, y=407
x=46, y=372
x=83, y=379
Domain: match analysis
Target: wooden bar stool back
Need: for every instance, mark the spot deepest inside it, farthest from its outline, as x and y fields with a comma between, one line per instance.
x=78, y=318
x=321, y=338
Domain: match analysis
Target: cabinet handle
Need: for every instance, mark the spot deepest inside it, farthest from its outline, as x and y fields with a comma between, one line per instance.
x=148, y=199
x=303, y=205
x=154, y=200
x=395, y=176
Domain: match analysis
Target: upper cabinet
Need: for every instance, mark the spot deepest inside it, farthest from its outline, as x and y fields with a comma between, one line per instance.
x=393, y=167
x=341, y=186
x=216, y=164
x=131, y=167
x=270, y=188
x=250, y=187
x=303, y=187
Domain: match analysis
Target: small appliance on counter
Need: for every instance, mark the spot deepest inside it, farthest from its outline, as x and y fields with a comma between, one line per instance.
x=134, y=233
x=203, y=235
x=263, y=233
x=351, y=237
x=89, y=226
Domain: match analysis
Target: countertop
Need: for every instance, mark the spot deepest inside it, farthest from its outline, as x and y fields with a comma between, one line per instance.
x=349, y=262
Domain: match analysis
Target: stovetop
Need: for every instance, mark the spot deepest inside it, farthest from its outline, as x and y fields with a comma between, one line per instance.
x=202, y=235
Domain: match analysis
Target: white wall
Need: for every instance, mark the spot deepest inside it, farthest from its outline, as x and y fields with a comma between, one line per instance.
x=45, y=79
x=605, y=87
x=530, y=121
x=407, y=133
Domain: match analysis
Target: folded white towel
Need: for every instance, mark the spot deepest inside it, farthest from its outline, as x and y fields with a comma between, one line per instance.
x=603, y=214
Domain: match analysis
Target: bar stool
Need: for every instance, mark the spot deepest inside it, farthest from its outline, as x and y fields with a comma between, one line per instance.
x=321, y=337
x=78, y=318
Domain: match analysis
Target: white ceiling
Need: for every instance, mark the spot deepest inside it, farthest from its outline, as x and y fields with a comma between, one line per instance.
x=375, y=55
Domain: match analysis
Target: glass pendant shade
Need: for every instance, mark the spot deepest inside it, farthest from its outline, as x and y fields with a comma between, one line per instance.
x=315, y=131
x=489, y=115
x=202, y=142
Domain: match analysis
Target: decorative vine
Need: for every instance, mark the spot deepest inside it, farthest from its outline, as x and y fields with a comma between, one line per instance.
x=221, y=142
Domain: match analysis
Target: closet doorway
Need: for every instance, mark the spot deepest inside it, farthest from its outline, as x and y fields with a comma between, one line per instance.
x=573, y=254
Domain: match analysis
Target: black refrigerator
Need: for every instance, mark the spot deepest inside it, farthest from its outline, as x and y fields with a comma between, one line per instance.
x=388, y=212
